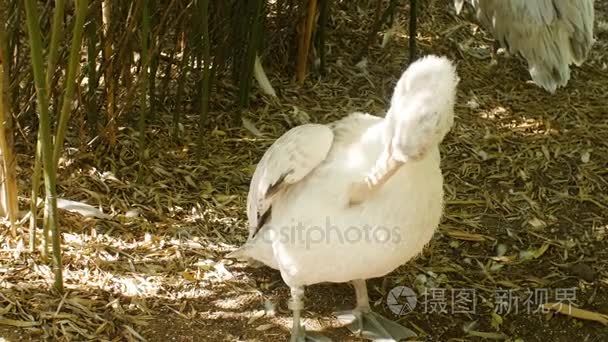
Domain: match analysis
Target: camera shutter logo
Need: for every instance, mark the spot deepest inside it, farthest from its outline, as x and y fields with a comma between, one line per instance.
x=401, y=300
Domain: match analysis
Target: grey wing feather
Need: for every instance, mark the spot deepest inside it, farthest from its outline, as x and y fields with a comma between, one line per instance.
x=288, y=160
x=549, y=34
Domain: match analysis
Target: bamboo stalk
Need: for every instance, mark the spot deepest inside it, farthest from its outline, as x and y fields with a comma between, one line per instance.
x=390, y=12
x=36, y=174
x=56, y=33
x=9, y=186
x=323, y=16
x=45, y=135
x=412, y=29
x=125, y=51
x=53, y=56
x=205, y=88
x=252, y=48
x=304, y=41
x=239, y=34
x=153, y=62
x=126, y=75
x=219, y=58
x=70, y=81
x=145, y=35
x=168, y=71
x=9, y=163
x=93, y=82
x=197, y=53
x=109, y=79
x=181, y=83
x=13, y=50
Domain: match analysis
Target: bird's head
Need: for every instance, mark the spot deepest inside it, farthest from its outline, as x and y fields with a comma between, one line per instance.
x=422, y=106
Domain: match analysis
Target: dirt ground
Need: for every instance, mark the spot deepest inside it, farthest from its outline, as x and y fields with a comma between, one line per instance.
x=526, y=183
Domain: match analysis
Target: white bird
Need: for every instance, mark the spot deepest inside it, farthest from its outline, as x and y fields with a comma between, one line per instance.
x=357, y=198
x=549, y=34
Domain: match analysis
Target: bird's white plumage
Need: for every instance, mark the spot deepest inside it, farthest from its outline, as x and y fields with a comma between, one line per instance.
x=312, y=234
x=288, y=160
x=550, y=34
x=422, y=110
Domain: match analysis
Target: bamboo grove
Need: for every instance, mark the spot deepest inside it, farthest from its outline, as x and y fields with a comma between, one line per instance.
x=84, y=68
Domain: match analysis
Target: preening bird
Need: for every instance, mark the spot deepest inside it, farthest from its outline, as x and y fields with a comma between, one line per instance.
x=354, y=199
x=549, y=34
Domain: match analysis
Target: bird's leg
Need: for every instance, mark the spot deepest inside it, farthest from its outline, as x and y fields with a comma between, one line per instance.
x=298, y=332
x=386, y=166
x=494, y=54
x=296, y=305
x=368, y=324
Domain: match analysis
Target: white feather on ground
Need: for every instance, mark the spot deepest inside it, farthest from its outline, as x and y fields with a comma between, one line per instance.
x=262, y=79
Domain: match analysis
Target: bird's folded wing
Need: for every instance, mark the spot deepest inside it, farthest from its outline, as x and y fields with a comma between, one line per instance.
x=288, y=160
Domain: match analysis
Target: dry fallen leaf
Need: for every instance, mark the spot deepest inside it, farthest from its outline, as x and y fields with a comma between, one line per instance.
x=18, y=323
x=461, y=235
x=585, y=157
x=256, y=315
x=265, y=327
x=189, y=275
x=567, y=309
x=537, y=223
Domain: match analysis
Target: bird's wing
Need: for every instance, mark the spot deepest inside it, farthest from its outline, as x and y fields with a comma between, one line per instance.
x=549, y=34
x=288, y=160
x=578, y=16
